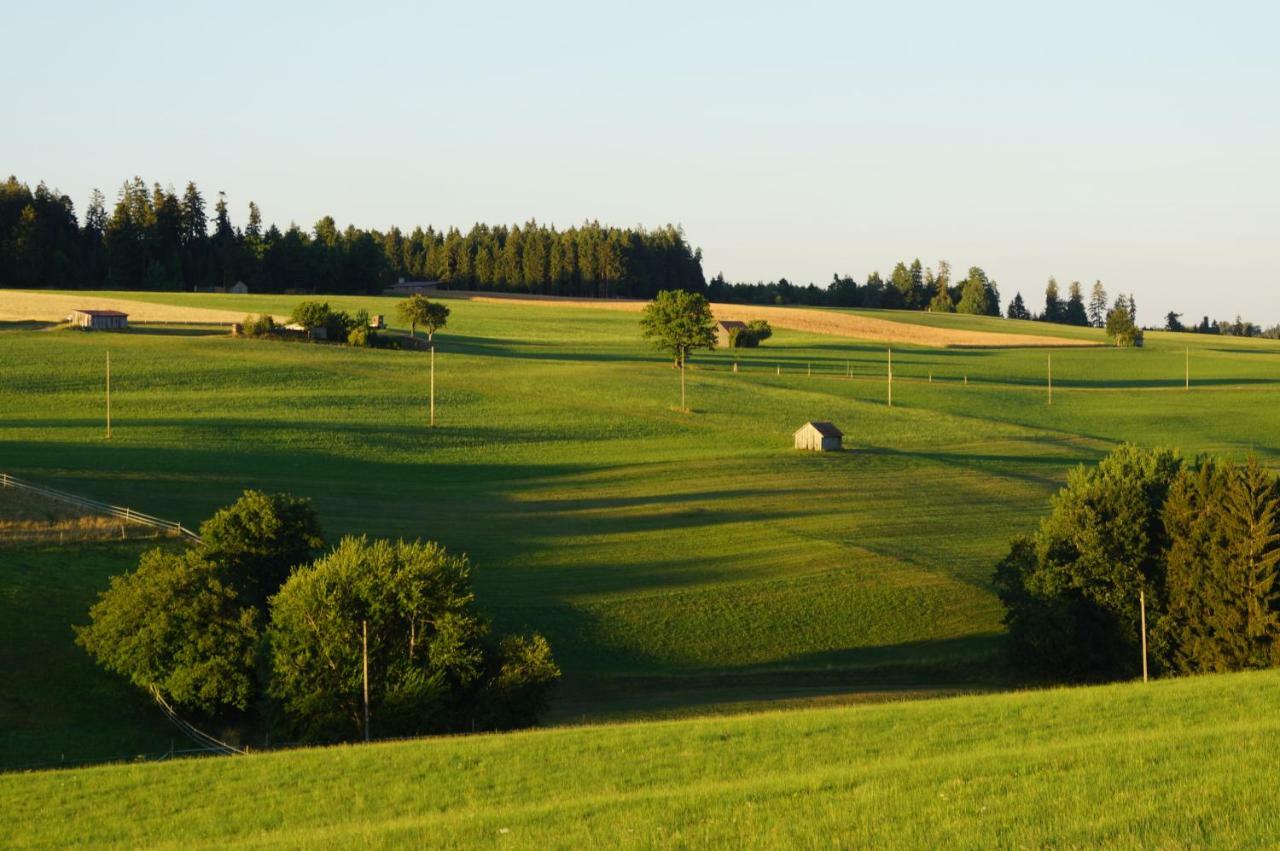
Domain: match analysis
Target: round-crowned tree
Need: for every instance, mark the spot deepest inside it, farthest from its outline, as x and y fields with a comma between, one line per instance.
x=405, y=613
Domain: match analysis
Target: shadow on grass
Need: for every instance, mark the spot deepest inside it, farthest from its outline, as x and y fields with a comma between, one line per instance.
x=179, y=330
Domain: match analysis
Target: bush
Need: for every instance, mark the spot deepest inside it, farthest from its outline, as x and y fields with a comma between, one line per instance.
x=262, y=325
x=1121, y=328
x=360, y=336
x=311, y=314
x=755, y=333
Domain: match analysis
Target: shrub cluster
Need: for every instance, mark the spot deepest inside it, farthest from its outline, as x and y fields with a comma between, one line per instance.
x=1199, y=540
x=261, y=325
x=251, y=623
x=756, y=332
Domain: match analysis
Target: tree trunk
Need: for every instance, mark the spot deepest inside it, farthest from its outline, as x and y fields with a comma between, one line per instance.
x=682, y=405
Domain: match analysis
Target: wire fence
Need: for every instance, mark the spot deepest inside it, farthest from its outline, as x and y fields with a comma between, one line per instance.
x=205, y=744
x=128, y=515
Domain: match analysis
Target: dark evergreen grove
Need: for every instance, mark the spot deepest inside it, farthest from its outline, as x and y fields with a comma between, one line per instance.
x=156, y=239
x=1199, y=539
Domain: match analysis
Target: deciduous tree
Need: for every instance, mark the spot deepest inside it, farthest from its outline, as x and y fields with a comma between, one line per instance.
x=679, y=323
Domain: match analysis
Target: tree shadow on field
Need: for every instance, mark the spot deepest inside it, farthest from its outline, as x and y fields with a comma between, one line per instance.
x=136, y=330
x=27, y=325
x=496, y=347
x=909, y=669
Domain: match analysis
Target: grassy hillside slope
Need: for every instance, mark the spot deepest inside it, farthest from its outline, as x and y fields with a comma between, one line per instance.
x=1172, y=764
x=670, y=558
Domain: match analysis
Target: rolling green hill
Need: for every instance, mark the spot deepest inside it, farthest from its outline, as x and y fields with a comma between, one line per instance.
x=673, y=560
x=1176, y=764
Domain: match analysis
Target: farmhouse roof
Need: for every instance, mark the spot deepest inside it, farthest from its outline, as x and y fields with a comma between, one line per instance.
x=825, y=429
x=730, y=323
x=100, y=312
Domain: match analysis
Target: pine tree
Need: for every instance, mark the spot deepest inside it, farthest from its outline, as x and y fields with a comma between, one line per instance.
x=1098, y=305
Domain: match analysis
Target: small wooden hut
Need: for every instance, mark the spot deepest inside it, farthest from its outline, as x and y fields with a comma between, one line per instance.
x=727, y=331
x=99, y=320
x=819, y=437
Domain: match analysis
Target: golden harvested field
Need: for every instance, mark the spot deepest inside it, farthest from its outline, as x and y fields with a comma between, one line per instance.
x=18, y=306
x=832, y=322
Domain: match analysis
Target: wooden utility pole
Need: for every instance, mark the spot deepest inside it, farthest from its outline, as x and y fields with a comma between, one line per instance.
x=1142, y=605
x=891, y=376
x=1050, y=379
x=809, y=369
x=364, y=653
x=108, y=394
x=848, y=369
x=433, y=385
x=1188, y=370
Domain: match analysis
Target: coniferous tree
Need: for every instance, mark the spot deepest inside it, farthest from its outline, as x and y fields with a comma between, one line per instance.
x=1053, y=311
x=978, y=294
x=1223, y=523
x=942, y=301
x=1098, y=305
x=1017, y=309
x=1074, y=312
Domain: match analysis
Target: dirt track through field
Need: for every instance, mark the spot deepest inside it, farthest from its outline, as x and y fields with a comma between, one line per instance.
x=51, y=307
x=813, y=321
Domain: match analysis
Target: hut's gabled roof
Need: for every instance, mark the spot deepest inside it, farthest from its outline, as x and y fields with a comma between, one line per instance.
x=728, y=324
x=824, y=428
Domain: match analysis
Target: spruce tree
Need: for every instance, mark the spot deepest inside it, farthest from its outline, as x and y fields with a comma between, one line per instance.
x=1052, y=302
x=1074, y=313
x=1017, y=308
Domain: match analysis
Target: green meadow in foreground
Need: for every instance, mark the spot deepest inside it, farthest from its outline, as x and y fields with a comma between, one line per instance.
x=674, y=561
x=1173, y=764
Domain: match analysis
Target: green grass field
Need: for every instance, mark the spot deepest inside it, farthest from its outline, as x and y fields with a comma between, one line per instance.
x=1178, y=764
x=674, y=561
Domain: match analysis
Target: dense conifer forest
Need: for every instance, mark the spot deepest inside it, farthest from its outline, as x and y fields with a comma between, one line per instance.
x=154, y=238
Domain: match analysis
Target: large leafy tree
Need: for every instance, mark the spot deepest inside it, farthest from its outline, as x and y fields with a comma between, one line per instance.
x=679, y=323
x=258, y=540
x=417, y=310
x=175, y=626
x=406, y=610
x=1072, y=590
x=188, y=624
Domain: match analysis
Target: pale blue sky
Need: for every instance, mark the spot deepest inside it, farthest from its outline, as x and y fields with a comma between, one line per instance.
x=1134, y=142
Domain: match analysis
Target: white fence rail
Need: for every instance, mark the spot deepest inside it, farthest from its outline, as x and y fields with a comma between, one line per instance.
x=126, y=514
